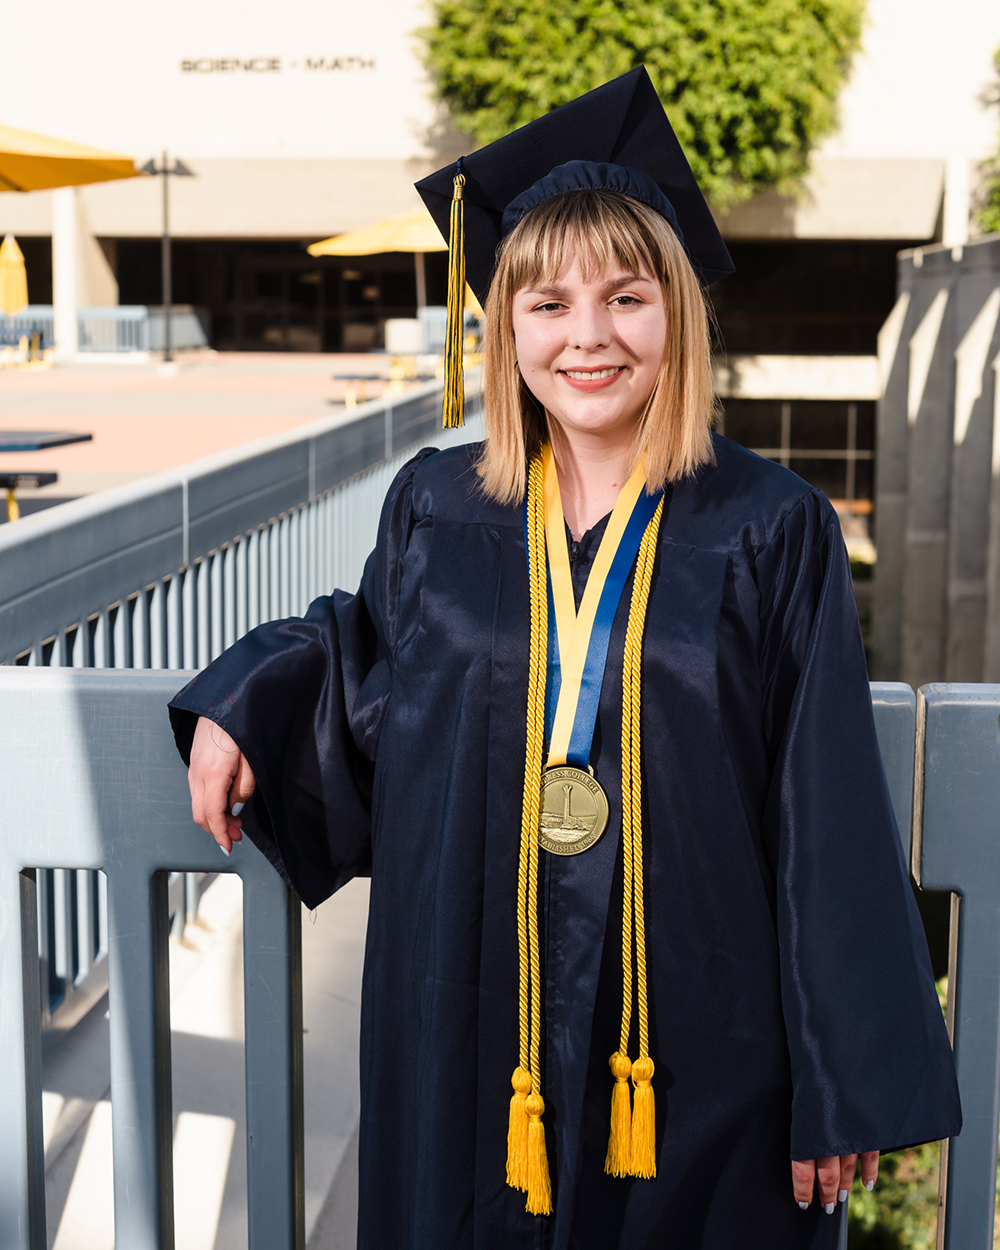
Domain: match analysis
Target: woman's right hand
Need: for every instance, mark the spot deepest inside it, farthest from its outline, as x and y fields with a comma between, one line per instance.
x=219, y=779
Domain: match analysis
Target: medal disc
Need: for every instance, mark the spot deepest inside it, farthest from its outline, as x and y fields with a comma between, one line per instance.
x=574, y=811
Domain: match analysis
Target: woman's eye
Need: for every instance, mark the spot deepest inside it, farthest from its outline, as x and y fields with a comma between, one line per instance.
x=625, y=301
x=552, y=306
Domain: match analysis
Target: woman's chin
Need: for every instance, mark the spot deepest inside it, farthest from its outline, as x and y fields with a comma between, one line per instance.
x=592, y=421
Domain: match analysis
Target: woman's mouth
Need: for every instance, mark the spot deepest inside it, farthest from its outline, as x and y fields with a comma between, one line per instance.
x=592, y=379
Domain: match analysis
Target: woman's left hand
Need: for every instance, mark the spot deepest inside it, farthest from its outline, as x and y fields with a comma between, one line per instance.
x=831, y=1178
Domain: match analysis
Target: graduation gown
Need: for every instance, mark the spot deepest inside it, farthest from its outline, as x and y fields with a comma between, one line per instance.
x=792, y=1007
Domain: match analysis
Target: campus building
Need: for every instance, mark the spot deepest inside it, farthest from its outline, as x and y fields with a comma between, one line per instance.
x=306, y=120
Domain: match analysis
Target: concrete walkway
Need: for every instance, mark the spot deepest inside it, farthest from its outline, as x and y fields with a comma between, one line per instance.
x=206, y=1009
x=149, y=417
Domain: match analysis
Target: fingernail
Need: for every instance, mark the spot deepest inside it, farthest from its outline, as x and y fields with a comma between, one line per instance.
x=223, y=850
x=830, y=1207
x=237, y=808
x=841, y=1195
x=804, y=1206
x=869, y=1185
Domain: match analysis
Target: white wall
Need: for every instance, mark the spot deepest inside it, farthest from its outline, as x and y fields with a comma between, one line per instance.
x=915, y=83
x=282, y=149
x=110, y=73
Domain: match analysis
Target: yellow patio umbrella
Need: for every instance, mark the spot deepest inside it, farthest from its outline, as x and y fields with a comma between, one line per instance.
x=13, y=280
x=32, y=162
x=413, y=231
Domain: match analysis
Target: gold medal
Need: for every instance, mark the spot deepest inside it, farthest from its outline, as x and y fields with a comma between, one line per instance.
x=574, y=811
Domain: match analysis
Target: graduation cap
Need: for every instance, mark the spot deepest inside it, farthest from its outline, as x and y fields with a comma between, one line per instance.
x=616, y=137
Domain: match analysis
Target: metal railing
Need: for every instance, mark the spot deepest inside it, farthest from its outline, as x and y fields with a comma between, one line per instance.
x=92, y=782
x=116, y=328
x=168, y=572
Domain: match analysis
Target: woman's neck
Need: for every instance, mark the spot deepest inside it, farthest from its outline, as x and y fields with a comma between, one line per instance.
x=592, y=471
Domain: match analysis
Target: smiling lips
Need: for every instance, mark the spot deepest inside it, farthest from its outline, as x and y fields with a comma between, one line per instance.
x=592, y=379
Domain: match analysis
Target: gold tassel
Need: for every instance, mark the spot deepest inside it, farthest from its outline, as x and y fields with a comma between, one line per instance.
x=643, y=1161
x=642, y=1145
x=517, y=1131
x=454, y=369
x=620, y=1141
x=539, y=1186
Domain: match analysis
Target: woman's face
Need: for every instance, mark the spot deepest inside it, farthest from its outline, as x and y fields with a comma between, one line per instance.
x=590, y=351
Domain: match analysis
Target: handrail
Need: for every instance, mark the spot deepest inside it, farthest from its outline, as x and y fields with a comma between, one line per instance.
x=121, y=805
x=70, y=564
x=168, y=571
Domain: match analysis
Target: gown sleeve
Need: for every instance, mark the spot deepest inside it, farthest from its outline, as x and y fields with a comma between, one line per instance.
x=303, y=699
x=872, y=1067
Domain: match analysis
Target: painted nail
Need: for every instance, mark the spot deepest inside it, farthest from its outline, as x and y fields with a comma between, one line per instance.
x=237, y=808
x=804, y=1206
x=869, y=1185
x=830, y=1207
x=224, y=851
x=841, y=1195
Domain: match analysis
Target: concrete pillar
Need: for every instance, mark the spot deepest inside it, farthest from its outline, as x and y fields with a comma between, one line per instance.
x=976, y=325
x=991, y=663
x=65, y=296
x=891, y=459
x=930, y=391
x=957, y=200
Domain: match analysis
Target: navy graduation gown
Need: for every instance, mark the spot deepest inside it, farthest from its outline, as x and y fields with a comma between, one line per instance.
x=792, y=1008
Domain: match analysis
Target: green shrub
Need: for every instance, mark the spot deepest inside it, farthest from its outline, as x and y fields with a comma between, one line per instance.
x=749, y=85
x=988, y=218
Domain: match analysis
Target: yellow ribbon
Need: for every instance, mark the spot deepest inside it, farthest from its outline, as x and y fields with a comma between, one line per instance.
x=574, y=629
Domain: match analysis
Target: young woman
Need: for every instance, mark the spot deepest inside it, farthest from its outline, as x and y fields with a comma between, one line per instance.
x=597, y=723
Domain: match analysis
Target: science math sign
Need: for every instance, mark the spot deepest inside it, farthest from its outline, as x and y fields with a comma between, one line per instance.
x=236, y=79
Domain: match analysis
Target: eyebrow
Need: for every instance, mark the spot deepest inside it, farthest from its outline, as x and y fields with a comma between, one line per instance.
x=625, y=280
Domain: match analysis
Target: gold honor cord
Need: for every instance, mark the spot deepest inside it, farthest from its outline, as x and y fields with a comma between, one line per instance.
x=527, y=1162
x=632, y=1144
x=454, y=365
x=632, y=1141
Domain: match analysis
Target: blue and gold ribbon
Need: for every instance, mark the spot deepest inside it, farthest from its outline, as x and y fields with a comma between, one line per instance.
x=578, y=641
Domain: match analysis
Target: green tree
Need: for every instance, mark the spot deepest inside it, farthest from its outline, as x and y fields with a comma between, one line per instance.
x=749, y=85
x=989, y=215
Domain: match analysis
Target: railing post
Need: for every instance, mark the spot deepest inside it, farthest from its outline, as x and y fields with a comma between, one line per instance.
x=272, y=973
x=139, y=1010
x=956, y=847
x=22, y=1157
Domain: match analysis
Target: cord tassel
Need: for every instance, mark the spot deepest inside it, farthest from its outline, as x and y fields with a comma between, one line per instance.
x=527, y=1161
x=643, y=1145
x=517, y=1131
x=539, y=1186
x=620, y=1141
x=454, y=365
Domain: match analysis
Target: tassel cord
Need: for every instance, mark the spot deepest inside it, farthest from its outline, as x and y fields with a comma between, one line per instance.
x=527, y=1161
x=454, y=363
x=642, y=1146
x=633, y=669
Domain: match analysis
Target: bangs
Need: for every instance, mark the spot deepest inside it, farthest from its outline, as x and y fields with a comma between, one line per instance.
x=600, y=229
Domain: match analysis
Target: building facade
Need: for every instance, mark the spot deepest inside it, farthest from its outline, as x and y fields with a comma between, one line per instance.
x=317, y=117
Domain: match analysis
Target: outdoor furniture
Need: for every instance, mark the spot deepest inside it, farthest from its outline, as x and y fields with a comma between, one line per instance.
x=10, y=482
x=32, y=440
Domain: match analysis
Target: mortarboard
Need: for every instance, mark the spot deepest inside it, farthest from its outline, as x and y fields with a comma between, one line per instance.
x=616, y=136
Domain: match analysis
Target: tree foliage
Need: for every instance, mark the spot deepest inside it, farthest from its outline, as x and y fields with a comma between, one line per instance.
x=749, y=85
x=989, y=214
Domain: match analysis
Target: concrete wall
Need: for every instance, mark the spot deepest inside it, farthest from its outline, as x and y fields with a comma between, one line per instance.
x=937, y=581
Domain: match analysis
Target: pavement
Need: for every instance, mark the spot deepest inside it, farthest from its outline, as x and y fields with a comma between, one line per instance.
x=206, y=1016
x=153, y=416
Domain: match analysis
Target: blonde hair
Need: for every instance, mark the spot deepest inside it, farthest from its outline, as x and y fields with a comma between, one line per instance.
x=604, y=227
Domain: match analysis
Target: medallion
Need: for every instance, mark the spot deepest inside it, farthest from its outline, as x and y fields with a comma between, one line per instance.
x=574, y=811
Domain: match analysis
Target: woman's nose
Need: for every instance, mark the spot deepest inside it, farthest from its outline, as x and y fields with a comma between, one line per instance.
x=590, y=329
